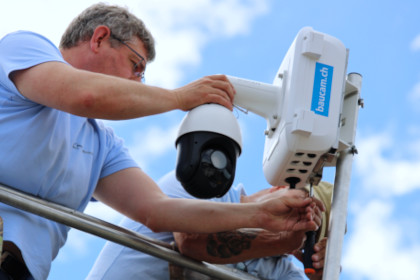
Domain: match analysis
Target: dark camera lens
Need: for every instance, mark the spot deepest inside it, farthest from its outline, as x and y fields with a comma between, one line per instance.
x=206, y=163
x=217, y=168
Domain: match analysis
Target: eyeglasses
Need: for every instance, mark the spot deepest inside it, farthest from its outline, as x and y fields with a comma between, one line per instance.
x=138, y=68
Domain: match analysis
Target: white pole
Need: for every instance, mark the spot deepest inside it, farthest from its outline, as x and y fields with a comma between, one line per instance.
x=338, y=218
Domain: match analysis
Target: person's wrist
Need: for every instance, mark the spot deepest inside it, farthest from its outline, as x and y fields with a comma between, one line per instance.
x=259, y=218
x=292, y=240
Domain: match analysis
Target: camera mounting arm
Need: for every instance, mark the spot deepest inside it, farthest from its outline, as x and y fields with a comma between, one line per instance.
x=265, y=103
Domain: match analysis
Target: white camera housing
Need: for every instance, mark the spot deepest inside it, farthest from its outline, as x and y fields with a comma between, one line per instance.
x=302, y=106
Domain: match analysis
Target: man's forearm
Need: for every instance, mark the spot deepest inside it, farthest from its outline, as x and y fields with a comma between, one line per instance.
x=89, y=94
x=237, y=246
x=100, y=96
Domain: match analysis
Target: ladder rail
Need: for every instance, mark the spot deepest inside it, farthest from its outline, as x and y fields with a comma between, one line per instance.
x=111, y=232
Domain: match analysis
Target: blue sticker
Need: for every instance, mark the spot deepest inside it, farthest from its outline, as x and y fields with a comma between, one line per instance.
x=322, y=89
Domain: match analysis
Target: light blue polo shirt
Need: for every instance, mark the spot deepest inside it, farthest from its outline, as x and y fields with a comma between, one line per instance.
x=47, y=153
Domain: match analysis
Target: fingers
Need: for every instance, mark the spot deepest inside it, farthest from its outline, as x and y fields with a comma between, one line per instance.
x=317, y=215
x=316, y=203
x=293, y=211
x=317, y=264
x=319, y=204
x=210, y=89
x=305, y=208
x=297, y=199
x=222, y=83
x=221, y=92
x=319, y=256
x=313, y=214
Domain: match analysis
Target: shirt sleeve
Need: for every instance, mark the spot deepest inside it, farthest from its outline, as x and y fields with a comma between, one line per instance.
x=22, y=50
x=118, y=156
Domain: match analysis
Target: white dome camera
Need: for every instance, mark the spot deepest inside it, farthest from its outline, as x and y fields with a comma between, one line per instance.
x=209, y=142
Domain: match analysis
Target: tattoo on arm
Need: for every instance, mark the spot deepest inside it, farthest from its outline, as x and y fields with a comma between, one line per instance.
x=229, y=243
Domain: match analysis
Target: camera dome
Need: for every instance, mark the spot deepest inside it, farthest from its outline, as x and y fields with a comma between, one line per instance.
x=209, y=142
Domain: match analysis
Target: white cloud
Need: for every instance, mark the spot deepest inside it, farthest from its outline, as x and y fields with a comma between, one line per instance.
x=182, y=29
x=382, y=242
x=103, y=212
x=152, y=143
x=375, y=249
x=415, y=44
x=414, y=94
x=392, y=174
x=44, y=16
x=213, y=18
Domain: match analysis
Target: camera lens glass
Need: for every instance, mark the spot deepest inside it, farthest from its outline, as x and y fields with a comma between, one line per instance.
x=216, y=168
x=218, y=159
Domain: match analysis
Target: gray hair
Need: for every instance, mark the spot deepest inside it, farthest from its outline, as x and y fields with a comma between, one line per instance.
x=123, y=25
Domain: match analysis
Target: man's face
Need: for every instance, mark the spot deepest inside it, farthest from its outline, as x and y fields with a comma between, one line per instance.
x=127, y=60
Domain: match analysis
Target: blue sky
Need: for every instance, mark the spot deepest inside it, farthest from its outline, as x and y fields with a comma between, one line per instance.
x=249, y=39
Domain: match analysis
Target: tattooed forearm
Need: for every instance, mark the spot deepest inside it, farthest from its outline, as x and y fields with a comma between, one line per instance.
x=229, y=243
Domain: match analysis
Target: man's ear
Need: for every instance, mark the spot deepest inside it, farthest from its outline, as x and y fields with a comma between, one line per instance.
x=100, y=34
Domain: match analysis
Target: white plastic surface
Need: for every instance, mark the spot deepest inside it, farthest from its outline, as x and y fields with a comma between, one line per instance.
x=260, y=98
x=314, y=66
x=212, y=118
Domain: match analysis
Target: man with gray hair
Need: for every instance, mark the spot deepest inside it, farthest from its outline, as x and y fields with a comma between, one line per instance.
x=52, y=146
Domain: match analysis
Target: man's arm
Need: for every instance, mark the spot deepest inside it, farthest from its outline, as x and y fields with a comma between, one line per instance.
x=134, y=194
x=95, y=95
x=237, y=246
x=243, y=244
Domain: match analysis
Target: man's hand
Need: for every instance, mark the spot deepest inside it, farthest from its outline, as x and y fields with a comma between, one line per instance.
x=291, y=210
x=209, y=89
